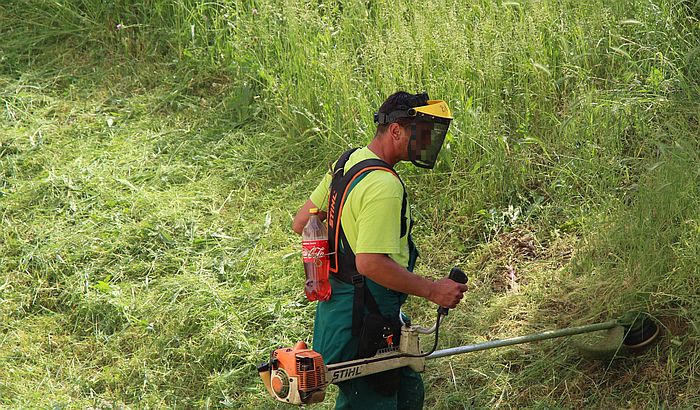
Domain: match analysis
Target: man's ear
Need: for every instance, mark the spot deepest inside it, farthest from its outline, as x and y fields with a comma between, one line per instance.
x=395, y=131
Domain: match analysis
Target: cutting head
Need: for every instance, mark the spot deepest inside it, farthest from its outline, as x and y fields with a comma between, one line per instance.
x=634, y=332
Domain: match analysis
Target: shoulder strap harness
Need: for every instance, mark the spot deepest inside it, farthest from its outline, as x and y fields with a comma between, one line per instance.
x=342, y=261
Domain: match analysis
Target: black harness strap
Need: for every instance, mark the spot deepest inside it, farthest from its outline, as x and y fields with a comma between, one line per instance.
x=342, y=262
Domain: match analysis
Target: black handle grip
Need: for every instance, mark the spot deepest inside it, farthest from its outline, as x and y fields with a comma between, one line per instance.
x=457, y=275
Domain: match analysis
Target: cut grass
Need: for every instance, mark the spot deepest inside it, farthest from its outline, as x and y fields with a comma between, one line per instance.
x=148, y=179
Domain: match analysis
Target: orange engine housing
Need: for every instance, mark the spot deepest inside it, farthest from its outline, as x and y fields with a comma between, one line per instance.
x=298, y=367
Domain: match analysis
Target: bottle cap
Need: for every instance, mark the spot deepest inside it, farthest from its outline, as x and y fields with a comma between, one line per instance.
x=313, y=210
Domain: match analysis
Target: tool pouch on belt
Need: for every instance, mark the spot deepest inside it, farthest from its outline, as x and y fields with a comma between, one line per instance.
x=379, y=332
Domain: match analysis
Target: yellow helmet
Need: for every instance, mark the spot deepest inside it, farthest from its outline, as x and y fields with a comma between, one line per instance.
x=435, y=108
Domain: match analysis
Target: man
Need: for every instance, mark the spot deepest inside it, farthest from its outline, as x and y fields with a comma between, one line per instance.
x=375, y=251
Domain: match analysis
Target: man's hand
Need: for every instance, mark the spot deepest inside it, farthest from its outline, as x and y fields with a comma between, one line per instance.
x=446, y=292
x=383, y=270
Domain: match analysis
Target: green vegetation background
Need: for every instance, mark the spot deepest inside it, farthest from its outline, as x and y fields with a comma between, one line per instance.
x=152, y=154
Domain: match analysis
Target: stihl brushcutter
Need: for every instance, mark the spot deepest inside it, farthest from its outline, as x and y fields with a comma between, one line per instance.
x=298, y=375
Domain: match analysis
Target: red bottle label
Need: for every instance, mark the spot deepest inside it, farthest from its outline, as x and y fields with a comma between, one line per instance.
x=314, y=250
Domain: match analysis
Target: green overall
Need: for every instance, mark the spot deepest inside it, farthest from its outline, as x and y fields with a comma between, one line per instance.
x=371, y=222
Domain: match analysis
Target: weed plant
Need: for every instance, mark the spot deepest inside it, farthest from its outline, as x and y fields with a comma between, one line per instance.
x=153, y=153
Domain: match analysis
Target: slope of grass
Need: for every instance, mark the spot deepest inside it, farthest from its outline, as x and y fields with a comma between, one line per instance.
x=152, y=155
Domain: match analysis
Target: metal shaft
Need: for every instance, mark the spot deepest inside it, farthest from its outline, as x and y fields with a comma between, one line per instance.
x=550, y=334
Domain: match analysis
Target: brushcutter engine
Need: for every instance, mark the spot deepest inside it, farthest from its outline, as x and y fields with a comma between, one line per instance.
x=295, y=375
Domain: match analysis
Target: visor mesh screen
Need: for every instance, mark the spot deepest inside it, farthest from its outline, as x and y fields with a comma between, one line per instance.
x=428, y=141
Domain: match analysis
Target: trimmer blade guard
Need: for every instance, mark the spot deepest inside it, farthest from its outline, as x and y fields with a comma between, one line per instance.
x=635, y=331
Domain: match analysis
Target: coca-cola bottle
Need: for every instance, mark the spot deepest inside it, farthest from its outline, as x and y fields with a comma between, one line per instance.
x=314, y=244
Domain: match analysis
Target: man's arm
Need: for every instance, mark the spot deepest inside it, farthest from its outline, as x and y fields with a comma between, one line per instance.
x=302, y=216
x=385, y=271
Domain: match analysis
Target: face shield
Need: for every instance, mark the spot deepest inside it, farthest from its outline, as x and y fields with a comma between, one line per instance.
x=429, y=127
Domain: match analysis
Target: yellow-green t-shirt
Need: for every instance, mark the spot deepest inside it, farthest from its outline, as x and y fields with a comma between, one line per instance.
x=371, y=216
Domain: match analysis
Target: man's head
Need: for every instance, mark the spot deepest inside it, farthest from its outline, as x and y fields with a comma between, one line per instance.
x=400, y=101
x=414, y=125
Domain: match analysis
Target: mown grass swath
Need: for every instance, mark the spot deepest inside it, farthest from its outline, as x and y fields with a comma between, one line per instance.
x=152, y=154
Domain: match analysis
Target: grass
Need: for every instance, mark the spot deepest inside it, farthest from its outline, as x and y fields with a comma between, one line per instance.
x=149, y=172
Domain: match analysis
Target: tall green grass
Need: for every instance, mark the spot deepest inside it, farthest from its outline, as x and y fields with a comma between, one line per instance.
x=152, y=155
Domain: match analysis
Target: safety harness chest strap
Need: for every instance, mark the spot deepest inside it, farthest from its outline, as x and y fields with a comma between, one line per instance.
x=341, y=185
x=342, y=263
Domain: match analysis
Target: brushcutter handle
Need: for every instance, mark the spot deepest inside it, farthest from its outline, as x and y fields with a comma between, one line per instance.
x=457, y=275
